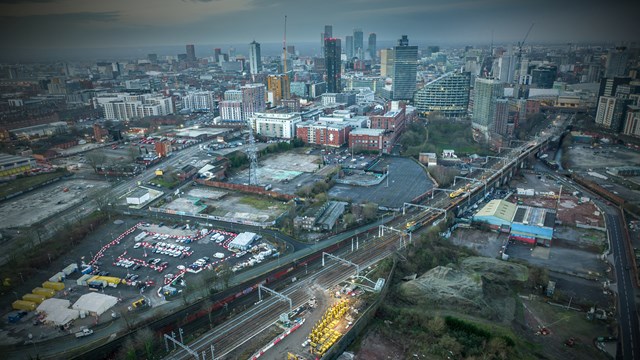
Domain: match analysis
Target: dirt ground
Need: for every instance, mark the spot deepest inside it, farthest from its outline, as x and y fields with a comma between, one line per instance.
x=563, y=324
x=376, y=347
x=583, y=157
x=34, y=206
x=485, y=243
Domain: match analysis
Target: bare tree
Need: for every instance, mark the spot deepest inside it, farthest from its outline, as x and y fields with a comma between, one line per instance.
x=145, y=339
x=95, y=158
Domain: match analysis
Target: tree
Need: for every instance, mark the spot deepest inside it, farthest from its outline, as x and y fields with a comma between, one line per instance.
x=145, y=340
x=349, y=219
x=369, y=211
x=225, y=274
x=95, y=158
x=132, y=153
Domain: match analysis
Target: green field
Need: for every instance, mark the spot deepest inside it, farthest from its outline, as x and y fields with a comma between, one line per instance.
x=260, y=203
x=23, y=183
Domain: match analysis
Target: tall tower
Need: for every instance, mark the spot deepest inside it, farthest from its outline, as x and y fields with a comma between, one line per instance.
x=358, y=43
x=332, y=51
x=255, y=59
x=191, y=53
x=372, y=47
x=328, y=31
x=616, y=64
x=485, y=94
x=405, y=69
x=386, y=62
x=348, y=50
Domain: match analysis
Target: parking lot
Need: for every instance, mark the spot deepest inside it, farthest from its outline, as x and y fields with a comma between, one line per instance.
x=406, y=181
x=157, y=254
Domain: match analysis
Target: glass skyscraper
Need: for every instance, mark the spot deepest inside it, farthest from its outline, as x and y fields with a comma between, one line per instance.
x=332, y=52
x=358, y=43
x=255, y=59
x=405, y=69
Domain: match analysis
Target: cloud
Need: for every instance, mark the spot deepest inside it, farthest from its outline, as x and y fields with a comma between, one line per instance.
x=25, y=1
x=64, y=19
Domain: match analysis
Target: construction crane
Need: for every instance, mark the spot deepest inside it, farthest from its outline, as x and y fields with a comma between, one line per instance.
x=519, y=62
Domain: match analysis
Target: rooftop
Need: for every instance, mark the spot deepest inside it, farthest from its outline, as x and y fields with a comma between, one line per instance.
x=499, y=208
x=369, y=132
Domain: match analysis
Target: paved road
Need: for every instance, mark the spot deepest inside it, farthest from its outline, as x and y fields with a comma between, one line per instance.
x=628, y=317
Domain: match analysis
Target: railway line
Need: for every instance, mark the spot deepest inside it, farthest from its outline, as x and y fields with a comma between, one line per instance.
x=236, y=332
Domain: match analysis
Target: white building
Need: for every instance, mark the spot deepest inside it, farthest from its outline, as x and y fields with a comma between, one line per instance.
x=138, y=197
x=282, y=126
x=329, y=98
x=201, y=100
x=243, y=241
x=126, y=107
x=231, y=110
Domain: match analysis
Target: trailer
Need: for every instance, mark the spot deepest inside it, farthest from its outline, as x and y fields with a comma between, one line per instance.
x=47, y=293
x=57, y=286
x=38, y=299
x=140, y=236
x=82, y=281
x=96, y=285
x=70, y=269
x=23, y=305
x=88, y=269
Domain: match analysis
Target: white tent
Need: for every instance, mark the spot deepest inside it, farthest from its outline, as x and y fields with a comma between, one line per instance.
x=57, y=311
x=95, y=303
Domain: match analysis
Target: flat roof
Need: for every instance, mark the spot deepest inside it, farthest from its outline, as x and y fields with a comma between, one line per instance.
x=370, y=132
x=7, y=159
x=533, y=216
x=243, y=239
x=137, y=193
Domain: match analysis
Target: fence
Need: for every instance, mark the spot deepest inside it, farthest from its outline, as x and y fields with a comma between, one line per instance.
x=246, y=188
x=214, y=218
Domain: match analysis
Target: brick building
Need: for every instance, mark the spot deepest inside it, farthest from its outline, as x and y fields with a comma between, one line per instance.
x=323, y=133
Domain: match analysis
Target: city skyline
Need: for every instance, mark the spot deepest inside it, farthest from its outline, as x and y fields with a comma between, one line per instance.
x=60, y=24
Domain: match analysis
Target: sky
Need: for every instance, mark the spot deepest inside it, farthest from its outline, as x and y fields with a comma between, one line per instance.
x=50, y=25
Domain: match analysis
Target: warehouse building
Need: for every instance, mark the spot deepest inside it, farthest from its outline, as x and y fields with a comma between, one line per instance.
x=524, y=223
x=243, y=241
x=15, y=165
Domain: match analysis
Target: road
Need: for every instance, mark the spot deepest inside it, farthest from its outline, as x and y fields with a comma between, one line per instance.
x=629, y=327
x=628, y=317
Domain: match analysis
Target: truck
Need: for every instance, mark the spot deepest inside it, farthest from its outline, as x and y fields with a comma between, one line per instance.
x=84, y=332
x=54, y=285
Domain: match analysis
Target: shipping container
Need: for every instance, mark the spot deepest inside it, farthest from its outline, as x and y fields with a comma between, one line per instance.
x=57, y=277
x=38, y=299
x=23, y=305
x=70, y=269
x=111, y=280
x=82, y=281
x=57, y=286
x=47, y=293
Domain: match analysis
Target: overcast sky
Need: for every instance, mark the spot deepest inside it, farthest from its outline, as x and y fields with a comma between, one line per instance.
x=46, y=24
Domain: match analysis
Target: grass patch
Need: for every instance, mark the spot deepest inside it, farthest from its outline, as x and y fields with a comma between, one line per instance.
x=259, y=203
x=159, y=180
x=439, y=135
x=24, y=183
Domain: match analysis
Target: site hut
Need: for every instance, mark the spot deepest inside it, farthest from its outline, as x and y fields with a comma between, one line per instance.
x=523, y=223
x=138, y=196
x=243, y=241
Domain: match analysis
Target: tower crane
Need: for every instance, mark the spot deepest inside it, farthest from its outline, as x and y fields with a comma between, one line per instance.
x=519, y=62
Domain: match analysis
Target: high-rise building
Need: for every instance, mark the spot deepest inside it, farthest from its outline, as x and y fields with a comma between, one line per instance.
x=191, y=53
x=333, y=64
x=611, y=112
x=506, y=69
x=152, y=58
x=253, y=99
x=405, y=69
x=255, y=59
x=358, y=43
x=486, y=92
x=217, y=55
x=372, y=47
x=447, y=95
x=231, y=110
x=544, y=76
x=348, y=50
x=386, y=62
x=199, y=100
x=281, y=126
x=328, y=31
x=616, y=62
x=279, y=88
x=632, y=121
x=501, y=117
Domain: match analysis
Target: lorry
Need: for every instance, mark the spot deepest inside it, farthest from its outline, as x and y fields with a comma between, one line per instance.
x=84, y=332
